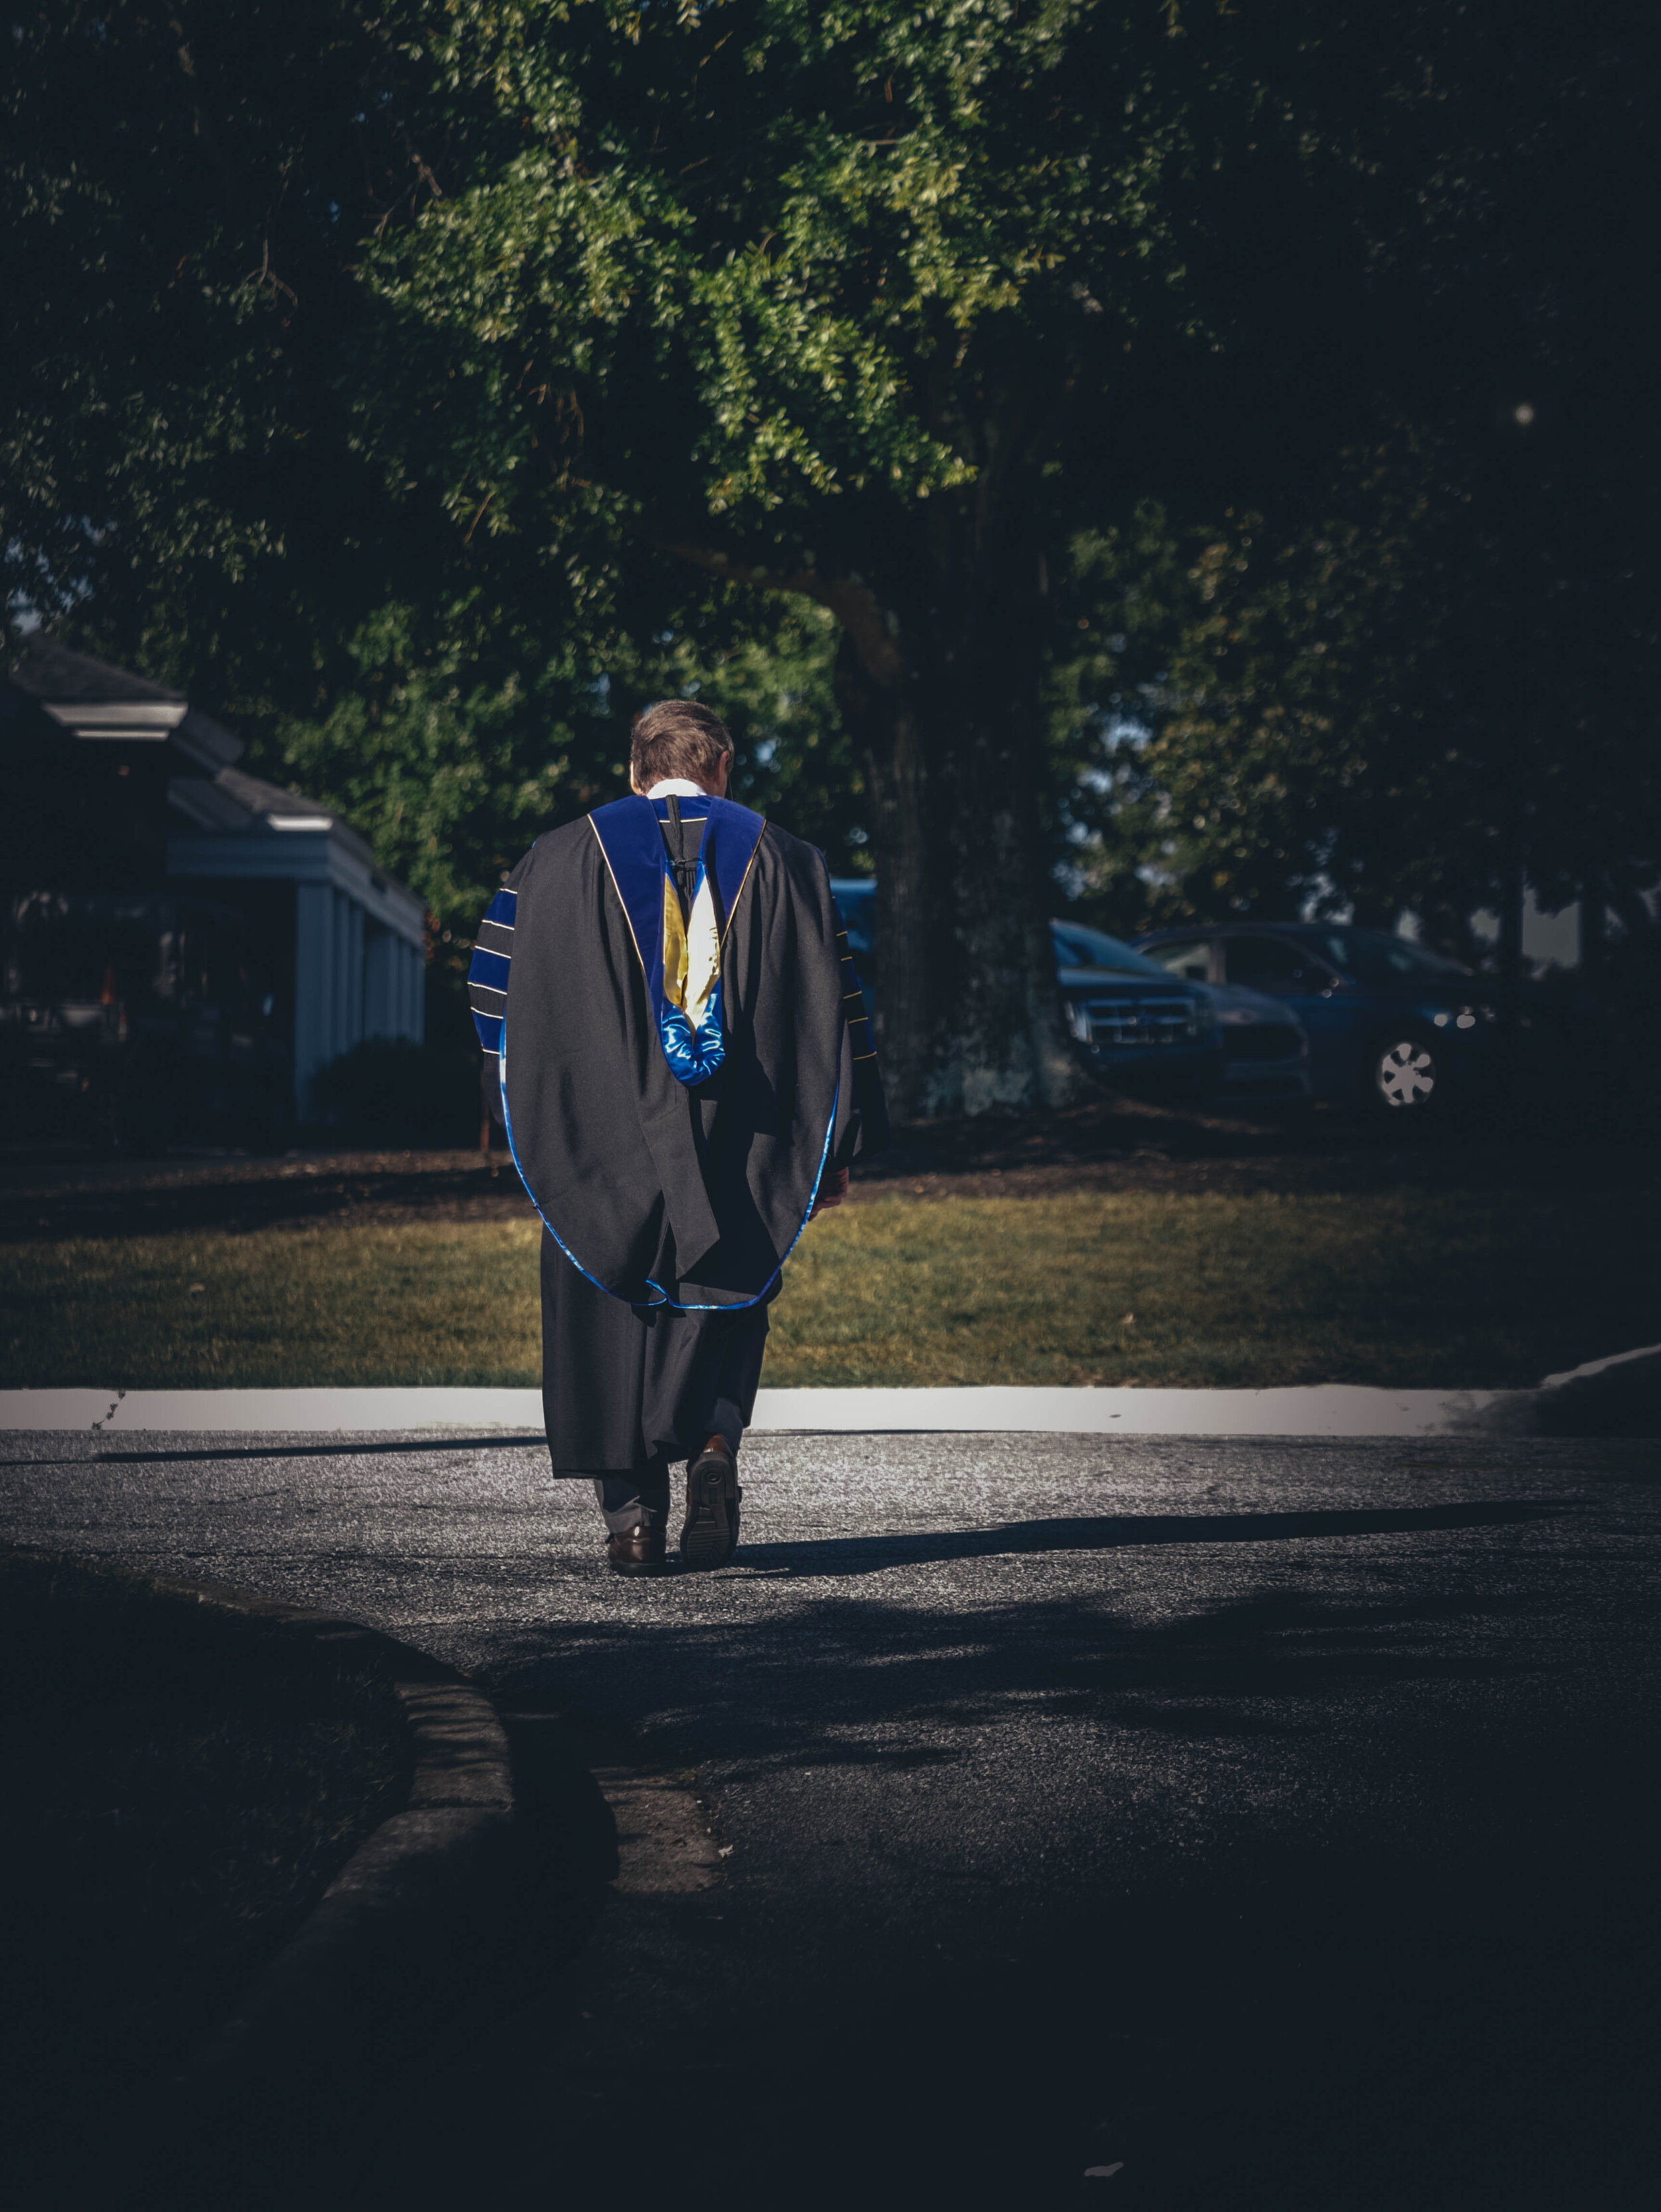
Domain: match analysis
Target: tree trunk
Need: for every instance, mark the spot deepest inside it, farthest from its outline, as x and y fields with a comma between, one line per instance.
x=939, y=678
x=1509, y=949
x=949, y=722
x=1594, y=933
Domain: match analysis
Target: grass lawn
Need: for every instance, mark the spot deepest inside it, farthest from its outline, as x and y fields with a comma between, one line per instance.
x=1478, y=1288
x=183, y=1787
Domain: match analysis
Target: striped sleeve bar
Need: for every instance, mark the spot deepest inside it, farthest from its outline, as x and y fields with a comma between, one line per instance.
x=486, y=979
x=853, y=1000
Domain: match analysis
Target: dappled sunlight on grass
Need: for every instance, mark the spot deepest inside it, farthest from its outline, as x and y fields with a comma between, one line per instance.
x=1407, y=1287
x=1463, y=1288
x=336, y=1302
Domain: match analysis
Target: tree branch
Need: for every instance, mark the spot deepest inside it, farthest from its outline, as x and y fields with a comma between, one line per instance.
x=855, y=605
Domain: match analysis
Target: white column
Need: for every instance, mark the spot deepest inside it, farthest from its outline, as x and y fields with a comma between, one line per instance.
x=418, y=994
x=349, y=972
x=357, y=976
x=381, y=1008
x=337, y=996
x=314, y=985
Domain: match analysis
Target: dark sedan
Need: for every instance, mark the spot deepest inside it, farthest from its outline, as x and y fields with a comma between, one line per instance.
x=1390, y=1024
x=1135, y=1022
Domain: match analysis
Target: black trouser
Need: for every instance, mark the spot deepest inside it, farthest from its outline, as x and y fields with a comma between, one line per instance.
x=625, y=1500
x=725, y=1400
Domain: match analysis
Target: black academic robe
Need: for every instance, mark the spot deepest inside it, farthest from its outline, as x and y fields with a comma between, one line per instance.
x=669, y=1207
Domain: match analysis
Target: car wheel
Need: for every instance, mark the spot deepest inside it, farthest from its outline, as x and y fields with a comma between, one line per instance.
x=1402, y=1074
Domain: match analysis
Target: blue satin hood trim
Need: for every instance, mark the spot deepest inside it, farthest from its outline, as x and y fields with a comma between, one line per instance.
x=694, y=1051
x=633, y=842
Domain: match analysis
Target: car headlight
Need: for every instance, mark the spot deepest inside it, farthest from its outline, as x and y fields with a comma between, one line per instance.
x=1078, y=1021
x=1461, y=1017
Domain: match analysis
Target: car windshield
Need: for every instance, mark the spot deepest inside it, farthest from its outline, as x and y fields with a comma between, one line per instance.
x=1077, y=947
x=1373, y=956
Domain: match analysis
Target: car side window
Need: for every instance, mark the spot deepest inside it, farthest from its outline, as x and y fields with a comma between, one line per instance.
x=1269, y=963
x=1192, y=959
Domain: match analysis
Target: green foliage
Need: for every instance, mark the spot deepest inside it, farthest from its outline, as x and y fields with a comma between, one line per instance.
x=772, y=685
x=1283, y=699
x=227, y=431
x=424, y=385
x=727, y=266
x=1374, y=707
x=1401, y=655
x=460, y=748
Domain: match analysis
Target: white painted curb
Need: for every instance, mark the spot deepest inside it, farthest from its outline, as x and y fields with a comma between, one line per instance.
x=229, y=1412
x=1327, y=1409
x=1331, y=1409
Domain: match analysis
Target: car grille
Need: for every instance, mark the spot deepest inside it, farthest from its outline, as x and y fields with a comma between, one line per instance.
x=1260, y=1041
x=1134, y=1017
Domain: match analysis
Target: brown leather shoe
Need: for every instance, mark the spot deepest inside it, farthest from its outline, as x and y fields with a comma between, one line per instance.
x=640, y=1552
x=709, y=1534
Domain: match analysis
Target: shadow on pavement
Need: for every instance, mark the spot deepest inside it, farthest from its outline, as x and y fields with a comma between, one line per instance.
x=872, y=1687
x=394, y=1442
x=1344, y=1904
x=865, y=1555
x=1299, y=2029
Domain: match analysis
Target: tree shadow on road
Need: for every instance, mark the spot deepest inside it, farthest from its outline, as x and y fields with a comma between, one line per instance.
x=1405, y=1956
x=865, y=1555
x=881, y=1685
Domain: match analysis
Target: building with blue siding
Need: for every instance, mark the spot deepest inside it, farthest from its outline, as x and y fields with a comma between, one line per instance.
x=162, y=911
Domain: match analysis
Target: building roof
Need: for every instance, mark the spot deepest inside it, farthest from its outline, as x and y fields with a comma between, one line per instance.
x=50, y=671
x=208, y=796
x=92, y=698
x=230, y=804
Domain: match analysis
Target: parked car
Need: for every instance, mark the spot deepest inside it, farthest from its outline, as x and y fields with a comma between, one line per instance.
x=1390, y=1024
x=1136, y=1024
x=1261, y=1051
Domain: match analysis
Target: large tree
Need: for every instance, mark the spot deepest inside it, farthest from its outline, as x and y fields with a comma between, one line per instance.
x=192, y=478
x=826, y=300
x=822, y=300
x=588, y=313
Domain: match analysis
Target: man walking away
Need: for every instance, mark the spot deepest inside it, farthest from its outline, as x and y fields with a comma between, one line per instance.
x=684, y=1069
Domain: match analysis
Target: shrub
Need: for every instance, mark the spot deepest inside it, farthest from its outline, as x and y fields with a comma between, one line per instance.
x=387, y=1091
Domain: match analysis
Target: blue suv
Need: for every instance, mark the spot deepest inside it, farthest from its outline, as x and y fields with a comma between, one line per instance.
x=1390, y=1024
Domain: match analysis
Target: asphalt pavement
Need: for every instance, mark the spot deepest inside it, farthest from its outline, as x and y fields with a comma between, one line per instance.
x=1254, y=1822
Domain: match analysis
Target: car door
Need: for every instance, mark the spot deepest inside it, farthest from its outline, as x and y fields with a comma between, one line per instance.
x=1284, y=968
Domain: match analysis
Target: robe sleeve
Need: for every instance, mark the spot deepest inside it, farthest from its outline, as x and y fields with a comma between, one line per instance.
x=865, y=1132
x=487, y=979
